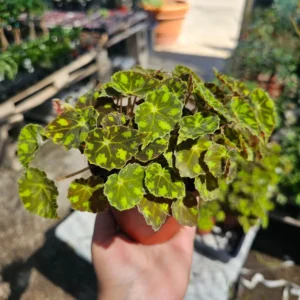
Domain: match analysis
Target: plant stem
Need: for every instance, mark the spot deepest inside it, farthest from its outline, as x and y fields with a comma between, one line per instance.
x=134, y=104
x=295, y=26
x=73, y=174
x=121, y=105
x=190, y=90
x=128, y=109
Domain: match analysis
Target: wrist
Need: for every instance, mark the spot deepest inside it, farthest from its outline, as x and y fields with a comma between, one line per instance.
x=130, y=291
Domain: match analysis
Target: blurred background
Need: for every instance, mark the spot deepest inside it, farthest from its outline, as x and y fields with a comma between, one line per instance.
x=61, y=49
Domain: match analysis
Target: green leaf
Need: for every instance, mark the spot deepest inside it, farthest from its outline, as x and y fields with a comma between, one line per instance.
x=158, y=115
x=87, y=195
x=216, y=91
x=245, y=114
x=154, y=149
x=71, y=128
x=215, y=159
x=188, y=158
x=160, y=183
x=211, y=101
x=105, y=105
x=175, y=86
x=234, y=85
x=88, y=99
x=38, y=193
x=114, y=118
x=169, y=158
x=30, y=140
x=107, y=90
x=134, y=83
x=111, y=147
x=182, y=71
x=185, y=210
x=154, y=212
x=231, y=167
x=125, y=190
x=265, y=111
x=192, y=127
x=207, y=186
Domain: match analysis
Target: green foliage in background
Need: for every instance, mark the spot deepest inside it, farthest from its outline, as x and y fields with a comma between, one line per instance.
x=269, y=50
x=166, y=143
x=42, y=52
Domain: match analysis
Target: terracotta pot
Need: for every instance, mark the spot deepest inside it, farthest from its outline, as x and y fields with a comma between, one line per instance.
x=170, y=19
x=134, y=225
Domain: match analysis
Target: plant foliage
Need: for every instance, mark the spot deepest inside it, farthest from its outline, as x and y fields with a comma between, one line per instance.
x=166, y=138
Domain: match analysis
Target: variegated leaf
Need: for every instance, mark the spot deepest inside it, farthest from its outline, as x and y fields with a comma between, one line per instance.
x=169, y=156
x=87, y=195
x=234, y=85
x=38, y=193
x=192, y=127
x=29, y=142
x=174, y=86
x=160, y=183
x=216, y=91
x=184, y=72
x=71, y=128
x=111, y=147
x=88, y=99
x=158, y=115
x=125, y=190
x=205, y=94
x=154, y=149
x=207, y=186
x=265, y=111
x=105, y=105
x=107, y=90
x=185, y=210
x=188, y=157
x=244, y=114
x=114, y=118
x=215, y=159
x=155, y=212
x=134, y=83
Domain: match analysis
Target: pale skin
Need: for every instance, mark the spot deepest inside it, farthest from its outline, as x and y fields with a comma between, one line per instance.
x=128, y=270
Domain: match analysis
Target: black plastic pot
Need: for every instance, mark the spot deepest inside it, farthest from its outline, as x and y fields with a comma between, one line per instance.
x=229, y=250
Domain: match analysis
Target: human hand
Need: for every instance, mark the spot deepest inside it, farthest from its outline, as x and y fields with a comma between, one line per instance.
x=129, y=270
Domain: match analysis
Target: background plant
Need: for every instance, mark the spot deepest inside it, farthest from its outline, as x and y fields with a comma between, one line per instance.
x=39, y=53
x=152, y=140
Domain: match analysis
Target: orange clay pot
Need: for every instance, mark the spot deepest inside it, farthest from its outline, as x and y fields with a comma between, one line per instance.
x=170, y=19
x=134, y=225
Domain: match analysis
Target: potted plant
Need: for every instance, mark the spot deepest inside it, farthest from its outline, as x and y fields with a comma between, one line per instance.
x=157, y=142
x=169, y=15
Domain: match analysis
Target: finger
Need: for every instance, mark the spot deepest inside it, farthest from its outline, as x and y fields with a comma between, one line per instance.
x=105, y=228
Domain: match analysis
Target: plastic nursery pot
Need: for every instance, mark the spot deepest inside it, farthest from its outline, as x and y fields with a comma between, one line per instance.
x=134, y=225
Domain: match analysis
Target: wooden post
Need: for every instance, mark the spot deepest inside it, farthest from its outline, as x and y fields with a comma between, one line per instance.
x=137, y=47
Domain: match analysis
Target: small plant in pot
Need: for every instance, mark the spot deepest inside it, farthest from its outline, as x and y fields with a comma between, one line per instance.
x=158, y=145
